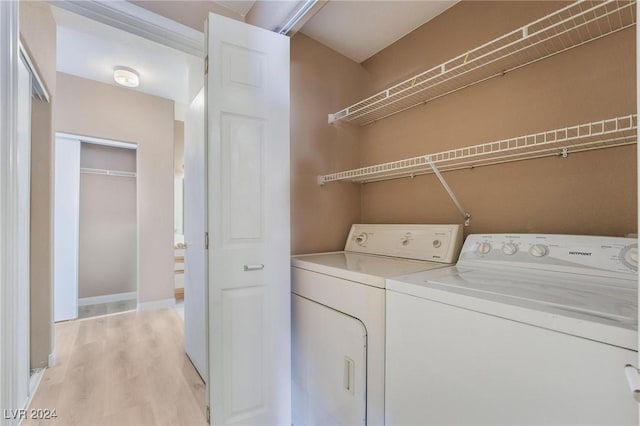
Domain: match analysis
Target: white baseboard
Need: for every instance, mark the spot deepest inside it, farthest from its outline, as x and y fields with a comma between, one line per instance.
x=52, y=359
x=157, y=304
x=108, y=298
x=34, y=382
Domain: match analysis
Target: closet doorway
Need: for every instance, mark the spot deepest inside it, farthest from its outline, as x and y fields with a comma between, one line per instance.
x=95, y=230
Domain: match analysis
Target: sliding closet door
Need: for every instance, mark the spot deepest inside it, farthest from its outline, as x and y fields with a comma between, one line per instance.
x=66, y=223
x=24, y=203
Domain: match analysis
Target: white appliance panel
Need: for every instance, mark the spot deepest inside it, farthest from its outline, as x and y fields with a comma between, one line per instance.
x=451, y=366
x=525, y=329
x=363, y=268
x=329, y=371
x=437, y=243
x=579, y=254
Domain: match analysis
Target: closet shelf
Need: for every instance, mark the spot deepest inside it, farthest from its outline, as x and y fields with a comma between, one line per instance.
x=107, y=172
x=584, y=137
x=569, y=27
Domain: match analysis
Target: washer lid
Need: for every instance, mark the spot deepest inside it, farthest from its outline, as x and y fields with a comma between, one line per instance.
x=363, y=268
x=602, y=309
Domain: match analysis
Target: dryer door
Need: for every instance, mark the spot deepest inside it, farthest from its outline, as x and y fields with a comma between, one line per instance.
x=329, y=365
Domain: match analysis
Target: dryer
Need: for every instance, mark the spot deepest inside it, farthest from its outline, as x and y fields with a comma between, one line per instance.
x=338, y=318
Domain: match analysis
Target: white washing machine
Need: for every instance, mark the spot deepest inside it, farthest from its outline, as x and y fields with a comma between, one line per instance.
x=338, y=318
x=525, y=329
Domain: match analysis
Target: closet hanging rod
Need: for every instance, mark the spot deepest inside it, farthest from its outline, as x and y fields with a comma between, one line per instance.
x=106, y=172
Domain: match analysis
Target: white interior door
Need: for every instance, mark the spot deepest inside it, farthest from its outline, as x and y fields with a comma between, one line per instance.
x=66, y=228
x=24, y=203
x=195, y=296
x=247, y=99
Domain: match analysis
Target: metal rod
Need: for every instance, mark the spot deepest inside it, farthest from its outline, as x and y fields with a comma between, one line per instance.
x=447, y=188
x=106, y=172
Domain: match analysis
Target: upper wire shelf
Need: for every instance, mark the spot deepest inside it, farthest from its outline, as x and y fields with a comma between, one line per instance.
x=569, y=27
x=583, y=137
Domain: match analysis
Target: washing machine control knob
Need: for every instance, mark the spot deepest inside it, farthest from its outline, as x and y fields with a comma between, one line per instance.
x=509, y=249
x=631, y=256
x=483, y=248
x=437, y=243
x=539, y=250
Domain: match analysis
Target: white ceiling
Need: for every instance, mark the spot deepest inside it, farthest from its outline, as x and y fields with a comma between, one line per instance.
x=241, y=7
x=360, y=29
x=91, y=50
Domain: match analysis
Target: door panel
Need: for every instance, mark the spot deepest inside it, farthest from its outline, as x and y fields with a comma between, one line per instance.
x=247, y=89
x=242, y=152
x=66, y=228
x=329, y=366
x=245, y=352
x=195, y=330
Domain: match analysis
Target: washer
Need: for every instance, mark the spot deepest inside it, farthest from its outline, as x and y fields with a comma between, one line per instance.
x=525, y=329
x=338, y=318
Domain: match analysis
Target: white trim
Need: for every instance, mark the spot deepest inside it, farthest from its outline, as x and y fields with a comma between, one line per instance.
x=97, y=141
x=51, y=361
x=157, y=304
x=9, y=57
x=107, y=298
x=39, y=86
x=34, y=382
x=139, y=21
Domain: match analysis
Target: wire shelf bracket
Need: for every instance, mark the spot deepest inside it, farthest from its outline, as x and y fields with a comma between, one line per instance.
x=452, y=195
x=567, y=28
x=560, y=142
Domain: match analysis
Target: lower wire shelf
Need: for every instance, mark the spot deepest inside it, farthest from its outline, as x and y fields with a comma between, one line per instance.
x=583, y=137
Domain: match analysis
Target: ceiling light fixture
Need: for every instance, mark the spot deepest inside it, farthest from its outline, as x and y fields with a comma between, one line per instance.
x=125, y=76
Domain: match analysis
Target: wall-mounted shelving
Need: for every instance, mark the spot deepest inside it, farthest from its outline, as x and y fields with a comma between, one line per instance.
x=567, y=28
x=596, y=135
x=106, y=172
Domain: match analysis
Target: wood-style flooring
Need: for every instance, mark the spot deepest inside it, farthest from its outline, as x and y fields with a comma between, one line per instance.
x=123, y=369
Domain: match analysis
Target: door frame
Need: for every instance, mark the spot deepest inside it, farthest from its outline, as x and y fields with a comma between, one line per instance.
x=9, y=214
x=115, y=144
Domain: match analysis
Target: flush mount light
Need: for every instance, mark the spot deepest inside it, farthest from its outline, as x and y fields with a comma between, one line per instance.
x=127, y=77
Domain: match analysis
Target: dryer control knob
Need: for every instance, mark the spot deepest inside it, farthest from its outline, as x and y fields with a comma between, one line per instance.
x=483, y=248
x=437, y=243
x=539, y=250
x=361, y=238
x=509, y=249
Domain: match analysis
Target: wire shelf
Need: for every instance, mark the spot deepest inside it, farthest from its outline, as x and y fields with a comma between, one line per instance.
x=106, y=172
x=567, y=28
x=583, y=137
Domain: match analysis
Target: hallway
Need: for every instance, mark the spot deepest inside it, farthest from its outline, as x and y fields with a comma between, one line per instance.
x=123, y=369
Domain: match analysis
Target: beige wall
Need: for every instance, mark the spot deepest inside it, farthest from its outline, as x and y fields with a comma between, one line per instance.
x=107, y=238
x=38, y=35
x=587, y=193
x=321, y=81
x=86, y=107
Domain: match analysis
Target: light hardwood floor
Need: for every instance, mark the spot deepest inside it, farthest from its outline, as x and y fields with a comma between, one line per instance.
x=123, y=369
